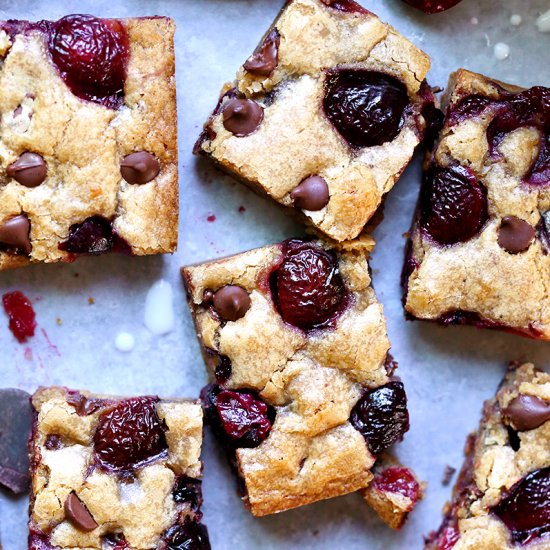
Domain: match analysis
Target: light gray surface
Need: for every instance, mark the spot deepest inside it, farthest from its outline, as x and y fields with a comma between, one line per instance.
x=448, y=372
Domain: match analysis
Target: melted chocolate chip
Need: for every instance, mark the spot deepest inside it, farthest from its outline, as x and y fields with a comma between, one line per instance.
x=312, y=194
x=231, y=302
x=15, y=426
x=265, y=58
x=14, y=233
x=139, y=168
x=242, y=117
x=515, y=235
x=527, y=412
x=78, y=514
x=29, y=170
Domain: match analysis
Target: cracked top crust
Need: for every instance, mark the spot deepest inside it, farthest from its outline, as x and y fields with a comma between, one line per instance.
x=494, y=464
x=83, y=143
x=503, y=289
x=140, y=507
x=296, y=140
x=312, y=379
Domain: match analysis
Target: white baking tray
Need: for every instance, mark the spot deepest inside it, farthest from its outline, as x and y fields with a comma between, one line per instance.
x=448, y=372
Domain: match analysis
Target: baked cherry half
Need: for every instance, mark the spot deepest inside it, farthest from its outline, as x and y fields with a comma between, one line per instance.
x=526, y=508
x=365, y=107
x=381, y=416
x=239, y=418
x=397, y=479
x=91, y=55
x=307, y=287
x=130, y=435
x=453, y=204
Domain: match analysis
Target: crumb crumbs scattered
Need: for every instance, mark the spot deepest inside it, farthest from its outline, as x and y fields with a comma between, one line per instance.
x=58, y=321
x=406, y=235
x=242, y=209
x=91, y=301
x=448, y=474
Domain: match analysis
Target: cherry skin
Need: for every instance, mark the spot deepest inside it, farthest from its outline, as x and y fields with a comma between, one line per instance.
x=453, y=204
x=381, y=416
x=307, y=288
x=91, y=55
x=129, y=435
x=365, y=107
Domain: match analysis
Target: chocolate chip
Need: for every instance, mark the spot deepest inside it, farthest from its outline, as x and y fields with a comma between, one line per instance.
x=242, y=117
x=15, y=426
x=76, y=512
x=312, y=194
x=527, y=412
x=515, y=235
x=265, y=58
x=29, y=170
x=15, y=233
x=139, y=168
x=231, y=302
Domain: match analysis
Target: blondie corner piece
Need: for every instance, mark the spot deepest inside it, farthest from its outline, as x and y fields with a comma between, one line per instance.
x=480, y=247
x=121, y=473
x=88, y=141
x=393, y=492
x=325, y=115
x=502, y=497
x=303, y=395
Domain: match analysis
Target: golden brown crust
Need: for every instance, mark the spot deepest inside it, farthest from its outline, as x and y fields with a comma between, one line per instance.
x=296, y=140
x=507, y=290
x=142, y=509
x=313, y=380
x=494, y=464
x=83, y=144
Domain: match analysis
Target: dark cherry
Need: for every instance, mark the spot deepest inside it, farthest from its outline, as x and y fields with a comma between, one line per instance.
x=381, y=416
x=453, y=204
x=470, y=106
x=525, y=510
x=129, y=435
x=307, y=287
x=348, y=6
x=21, y=315
x=189, y=536
x=188, y=490
x=91, y=55
x=397, y=479
x=432, y=6
x=93, y=236
x=365, y=107
x=244, y=417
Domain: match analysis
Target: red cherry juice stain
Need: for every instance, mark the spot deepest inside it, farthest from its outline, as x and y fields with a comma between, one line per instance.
x=21, y=315
x=211, y=218
x=242, y=209
x=52, y=347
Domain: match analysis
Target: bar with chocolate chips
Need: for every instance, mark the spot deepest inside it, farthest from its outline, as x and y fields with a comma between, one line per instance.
x=89, y=138
x=325, y=115
x=479, y=253
x=303, y=392
x=112, y=472
x=502, y=495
